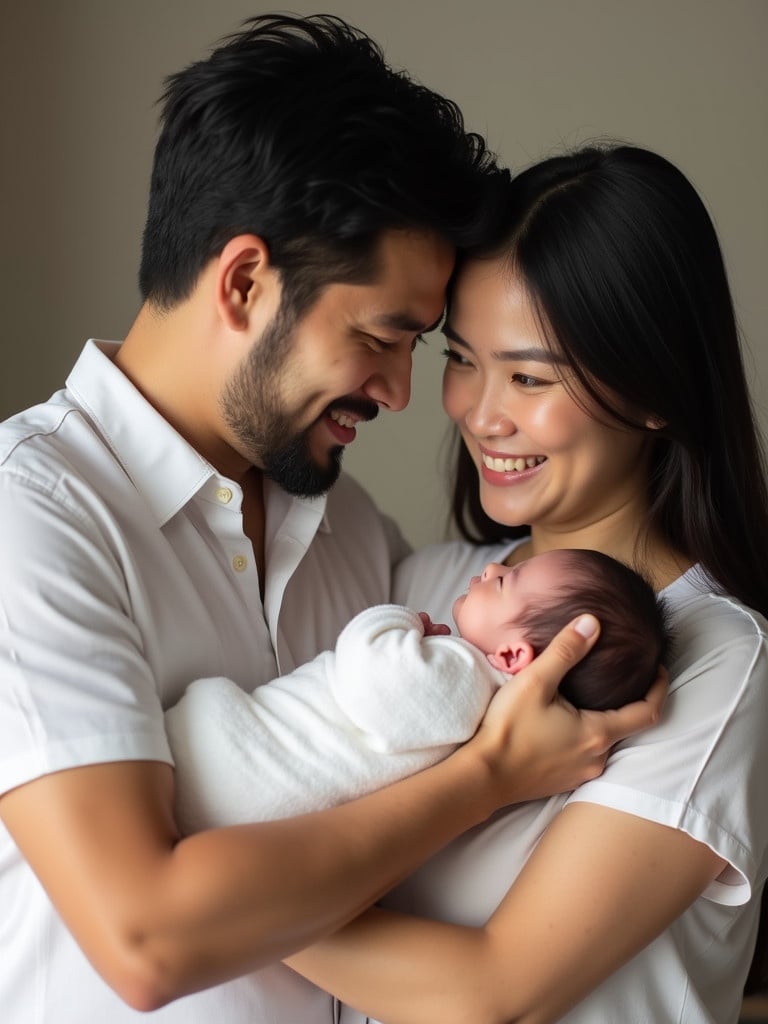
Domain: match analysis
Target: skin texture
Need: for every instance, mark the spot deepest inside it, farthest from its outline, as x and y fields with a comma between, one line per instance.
x=550, y=942
x=154, y=912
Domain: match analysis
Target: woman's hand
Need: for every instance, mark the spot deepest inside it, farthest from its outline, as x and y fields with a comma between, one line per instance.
x=535, y=743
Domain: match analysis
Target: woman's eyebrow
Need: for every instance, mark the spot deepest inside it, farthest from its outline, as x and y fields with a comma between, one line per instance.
x=531, y=353
x=449, y=332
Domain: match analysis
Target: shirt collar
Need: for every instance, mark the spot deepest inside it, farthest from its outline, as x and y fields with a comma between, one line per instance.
x=164, y=468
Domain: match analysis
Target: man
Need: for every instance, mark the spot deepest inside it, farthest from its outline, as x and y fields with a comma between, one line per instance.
x=165, y=518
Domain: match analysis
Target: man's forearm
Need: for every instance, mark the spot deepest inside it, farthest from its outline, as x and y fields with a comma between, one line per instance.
x=161, y=917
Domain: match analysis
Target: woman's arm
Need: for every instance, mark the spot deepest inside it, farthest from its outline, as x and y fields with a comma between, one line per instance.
x=599, y=887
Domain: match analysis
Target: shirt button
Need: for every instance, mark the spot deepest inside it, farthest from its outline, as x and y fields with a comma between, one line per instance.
x=224, y=495
x=239, y=563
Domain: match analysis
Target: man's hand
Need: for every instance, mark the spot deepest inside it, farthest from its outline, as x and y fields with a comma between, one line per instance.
x=537, y=744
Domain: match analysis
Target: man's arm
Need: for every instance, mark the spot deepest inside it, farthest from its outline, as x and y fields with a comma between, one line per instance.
x=160, y=916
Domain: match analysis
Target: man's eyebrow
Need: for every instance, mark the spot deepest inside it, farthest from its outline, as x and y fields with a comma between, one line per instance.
x=405, y=322
x=532, y=353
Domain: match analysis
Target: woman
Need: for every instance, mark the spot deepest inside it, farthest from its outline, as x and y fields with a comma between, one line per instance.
x=594, y=375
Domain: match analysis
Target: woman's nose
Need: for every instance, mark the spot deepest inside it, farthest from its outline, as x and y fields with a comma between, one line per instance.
x=489, y=415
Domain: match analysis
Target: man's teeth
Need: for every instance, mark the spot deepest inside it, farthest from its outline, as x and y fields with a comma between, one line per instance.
x=342, y=418
x=513, y=465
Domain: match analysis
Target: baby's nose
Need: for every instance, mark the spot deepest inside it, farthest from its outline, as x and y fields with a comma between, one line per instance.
x=491, y=571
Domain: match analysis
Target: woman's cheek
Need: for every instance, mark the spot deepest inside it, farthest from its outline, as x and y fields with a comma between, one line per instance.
x=454, y=400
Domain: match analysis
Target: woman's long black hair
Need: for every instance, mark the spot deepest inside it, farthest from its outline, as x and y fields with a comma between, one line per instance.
x=622, y=263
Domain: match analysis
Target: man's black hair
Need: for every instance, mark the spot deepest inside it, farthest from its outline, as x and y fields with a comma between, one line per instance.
x=296, y=130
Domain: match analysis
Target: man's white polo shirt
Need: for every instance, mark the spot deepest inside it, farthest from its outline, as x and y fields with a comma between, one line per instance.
x=126, y=575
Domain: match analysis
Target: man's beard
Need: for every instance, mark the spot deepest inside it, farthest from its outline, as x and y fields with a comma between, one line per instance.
x=266, y=432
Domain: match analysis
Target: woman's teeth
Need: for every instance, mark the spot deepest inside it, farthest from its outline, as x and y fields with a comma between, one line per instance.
x=512, y=465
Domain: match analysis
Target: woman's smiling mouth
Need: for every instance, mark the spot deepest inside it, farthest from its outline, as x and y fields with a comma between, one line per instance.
x=511, y=464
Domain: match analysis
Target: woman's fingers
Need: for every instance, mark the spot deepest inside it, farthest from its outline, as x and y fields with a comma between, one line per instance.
x=612, y=726
x=564, y=651
x=541, y=742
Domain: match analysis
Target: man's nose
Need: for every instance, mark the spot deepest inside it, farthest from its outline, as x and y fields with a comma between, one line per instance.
x=390, y=385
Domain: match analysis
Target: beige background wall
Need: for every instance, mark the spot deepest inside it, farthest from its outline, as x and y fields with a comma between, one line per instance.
x=78, y=80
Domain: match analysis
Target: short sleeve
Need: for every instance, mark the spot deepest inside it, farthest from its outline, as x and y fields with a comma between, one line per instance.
x=703, y=768
x=74, y=687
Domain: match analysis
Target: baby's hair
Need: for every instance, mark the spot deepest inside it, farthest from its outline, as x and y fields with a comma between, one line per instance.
x=635, y=635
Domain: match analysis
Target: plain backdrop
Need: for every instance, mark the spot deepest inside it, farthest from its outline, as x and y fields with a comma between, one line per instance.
x=78, y=85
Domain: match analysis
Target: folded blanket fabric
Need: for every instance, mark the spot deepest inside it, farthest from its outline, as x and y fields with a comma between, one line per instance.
x=388, y=702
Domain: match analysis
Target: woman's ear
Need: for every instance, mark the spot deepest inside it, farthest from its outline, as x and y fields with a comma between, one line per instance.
x=244, y=274
x=512, y=657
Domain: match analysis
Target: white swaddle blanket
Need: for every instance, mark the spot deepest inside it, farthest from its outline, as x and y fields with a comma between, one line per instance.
x=387, y=703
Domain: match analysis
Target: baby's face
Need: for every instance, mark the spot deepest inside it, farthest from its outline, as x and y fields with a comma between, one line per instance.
x=487, y=613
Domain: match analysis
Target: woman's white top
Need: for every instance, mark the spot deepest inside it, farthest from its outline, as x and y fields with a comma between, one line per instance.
x=703, y=769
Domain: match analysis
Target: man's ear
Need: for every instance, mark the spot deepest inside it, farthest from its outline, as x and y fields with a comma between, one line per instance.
x=243, y=274
x=512, y=657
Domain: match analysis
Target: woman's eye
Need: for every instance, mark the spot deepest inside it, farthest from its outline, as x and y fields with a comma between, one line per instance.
x=455, y=357
x=526, y=380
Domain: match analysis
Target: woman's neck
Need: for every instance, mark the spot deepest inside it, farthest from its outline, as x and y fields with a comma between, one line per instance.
x=618, y=535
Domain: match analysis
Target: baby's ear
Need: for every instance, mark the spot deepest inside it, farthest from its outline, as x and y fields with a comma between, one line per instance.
x=511, y=658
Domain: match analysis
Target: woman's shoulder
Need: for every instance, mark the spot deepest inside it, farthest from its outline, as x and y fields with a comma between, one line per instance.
x=708, y=623
x=694, y=597
x=702, y=767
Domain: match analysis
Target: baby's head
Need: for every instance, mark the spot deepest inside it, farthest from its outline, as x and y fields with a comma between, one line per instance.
x=512, y=613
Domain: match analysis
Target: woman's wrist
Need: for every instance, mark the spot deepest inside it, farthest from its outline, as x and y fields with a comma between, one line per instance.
x=493, y=773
